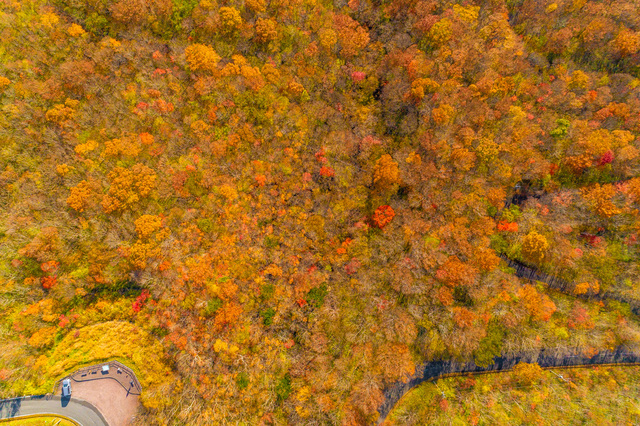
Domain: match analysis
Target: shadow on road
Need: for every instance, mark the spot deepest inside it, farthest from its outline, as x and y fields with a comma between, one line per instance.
x=9, y=408
x=65, y=400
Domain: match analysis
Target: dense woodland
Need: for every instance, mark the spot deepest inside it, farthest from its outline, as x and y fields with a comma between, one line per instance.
x=272, y=210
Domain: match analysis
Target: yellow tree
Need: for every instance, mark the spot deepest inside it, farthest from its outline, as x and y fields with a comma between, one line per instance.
x=527, y=374
x=81, y=196
x=386, y=172
x=534, y=247
x=201, y=57
x=128, y=187
x=599, y=198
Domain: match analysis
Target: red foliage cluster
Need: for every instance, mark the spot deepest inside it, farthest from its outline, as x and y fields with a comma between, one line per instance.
x=49, y=282
x=357, y=76
x=64, y=321
x=352, y=267
x=508, y=226
x=327, y=171
x=140, y=301
x=606, y=158
x=383, y=216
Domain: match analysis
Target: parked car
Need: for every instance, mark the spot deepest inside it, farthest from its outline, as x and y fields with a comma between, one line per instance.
x=66, y=387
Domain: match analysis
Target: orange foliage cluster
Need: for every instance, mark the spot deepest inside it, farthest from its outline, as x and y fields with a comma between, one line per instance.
x=539, y=305
x=128, y=186
x=81, y=196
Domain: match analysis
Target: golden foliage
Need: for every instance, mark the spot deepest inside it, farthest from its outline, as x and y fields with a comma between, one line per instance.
x=353, y=37
x=62, y=112
x=443, y=114
x=527, y=374
x=634, y=189
x=627, y=42
x=599, y=198
x=468, y=13
x=84, y=148
x=579, y=80
x=534, y=247
x=230, y=19
x=295, y=88
x=395, y=361
x=440, y=32
x=578, y=163
x=253, y=77
x=256, y=5
x=266, y=30
x=463, y=317
x=81, y=196
x=140, y=252
x=75, y=30
x=463, y=159
x=328, y=38
x=111, y=340
x=386, y=171
x=121, y=147
x=49, y=20
x=486, y=259
x=43, y=337
x=598, y=142
x=539, y=305
x=4, y=82
x=147, y=224
x=63, y=169
x=581, y=288
x=146, y=138
x=128, y=186
x=201, y=57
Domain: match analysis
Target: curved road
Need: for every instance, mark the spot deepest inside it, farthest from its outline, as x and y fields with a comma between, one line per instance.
x=80, y=411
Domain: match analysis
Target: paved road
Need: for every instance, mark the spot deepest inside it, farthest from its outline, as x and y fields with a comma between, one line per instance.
x=75, y=409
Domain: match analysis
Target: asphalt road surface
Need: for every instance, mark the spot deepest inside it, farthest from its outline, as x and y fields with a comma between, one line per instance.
x=80, y=411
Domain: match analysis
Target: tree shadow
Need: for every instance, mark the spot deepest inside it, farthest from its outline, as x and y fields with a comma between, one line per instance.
x=10, y=408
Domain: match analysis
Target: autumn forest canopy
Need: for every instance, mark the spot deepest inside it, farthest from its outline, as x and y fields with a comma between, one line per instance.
x=274, y=210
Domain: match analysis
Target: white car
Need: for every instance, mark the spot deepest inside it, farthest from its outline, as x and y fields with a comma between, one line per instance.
x=66, y=387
